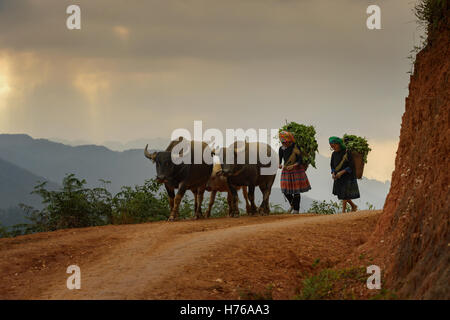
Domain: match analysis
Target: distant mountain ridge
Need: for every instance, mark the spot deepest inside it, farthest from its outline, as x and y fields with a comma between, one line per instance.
x=54, y=160
x=154, y=143
x=16, y=185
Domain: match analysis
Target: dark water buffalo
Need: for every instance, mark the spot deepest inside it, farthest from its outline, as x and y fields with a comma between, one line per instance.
x=250, y=173
x=218, y=183
x=182, y=176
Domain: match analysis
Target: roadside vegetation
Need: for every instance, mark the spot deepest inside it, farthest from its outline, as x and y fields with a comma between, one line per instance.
x=325, y=282
x=77, y=206
x=331, y=207
x=340, y=284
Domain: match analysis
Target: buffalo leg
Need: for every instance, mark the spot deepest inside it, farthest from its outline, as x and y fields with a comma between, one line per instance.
x=230, y=203
x=251, y=197
x=247, y=203
x=200, y=192
x=264, y=207
x=194, y=192
x=171, y=194
x=176, y=206
x=212, y=198
x=234, y=201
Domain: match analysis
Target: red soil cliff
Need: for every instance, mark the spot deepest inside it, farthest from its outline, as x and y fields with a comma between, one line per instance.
x=412, y=233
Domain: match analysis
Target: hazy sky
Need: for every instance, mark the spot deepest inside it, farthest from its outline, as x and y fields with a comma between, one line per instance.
x=140, y=69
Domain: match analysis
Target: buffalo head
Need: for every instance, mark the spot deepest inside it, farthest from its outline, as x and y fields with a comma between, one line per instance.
x=232, y=168
x=165, y=168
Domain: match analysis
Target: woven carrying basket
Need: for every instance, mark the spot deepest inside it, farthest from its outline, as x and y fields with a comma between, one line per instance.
x=359, y=164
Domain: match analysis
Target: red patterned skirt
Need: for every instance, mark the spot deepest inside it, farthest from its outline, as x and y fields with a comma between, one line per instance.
x=294, y=181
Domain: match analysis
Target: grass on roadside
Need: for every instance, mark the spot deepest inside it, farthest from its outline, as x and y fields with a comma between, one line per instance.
x=348, y=284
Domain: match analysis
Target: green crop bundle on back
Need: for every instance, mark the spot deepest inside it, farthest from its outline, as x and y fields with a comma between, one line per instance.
x=357, y=144
x=305, y=138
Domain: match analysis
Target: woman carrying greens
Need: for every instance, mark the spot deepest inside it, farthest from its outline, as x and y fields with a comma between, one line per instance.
x=293, y=177
x=343, y=171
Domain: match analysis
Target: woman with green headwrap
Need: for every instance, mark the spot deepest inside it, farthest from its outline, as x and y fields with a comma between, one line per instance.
x=343, y=173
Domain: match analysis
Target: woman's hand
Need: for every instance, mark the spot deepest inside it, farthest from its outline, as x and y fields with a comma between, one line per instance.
x=340, y=174
x=289, y=168
x=280, y=166
x=333, y=175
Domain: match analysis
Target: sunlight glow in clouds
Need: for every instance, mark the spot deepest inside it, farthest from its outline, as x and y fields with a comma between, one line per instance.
x=4, y=82
x=5, y=89
x=4, y=86
x=121, y=31
x=92, y=85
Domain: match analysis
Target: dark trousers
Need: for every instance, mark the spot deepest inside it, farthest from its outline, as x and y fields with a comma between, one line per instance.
x=294, y=200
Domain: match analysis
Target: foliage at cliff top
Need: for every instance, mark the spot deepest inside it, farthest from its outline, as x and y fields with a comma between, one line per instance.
x=432, y=15
x=431, y=12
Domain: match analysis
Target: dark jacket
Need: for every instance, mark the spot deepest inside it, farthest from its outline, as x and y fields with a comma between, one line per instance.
x=286, y=153
x=348, y=165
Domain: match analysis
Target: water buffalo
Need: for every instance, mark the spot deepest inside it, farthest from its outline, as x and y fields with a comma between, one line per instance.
x=218, y=183
x=184, y=176
x=249, y=172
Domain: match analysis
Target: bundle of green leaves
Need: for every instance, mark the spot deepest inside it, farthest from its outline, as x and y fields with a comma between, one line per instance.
x=305, y=138
x=357, y=144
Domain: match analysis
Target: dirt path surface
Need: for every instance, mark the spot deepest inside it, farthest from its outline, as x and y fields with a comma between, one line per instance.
x=208, y=259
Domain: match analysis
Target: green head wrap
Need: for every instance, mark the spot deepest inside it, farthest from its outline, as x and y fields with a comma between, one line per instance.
x=338, y=141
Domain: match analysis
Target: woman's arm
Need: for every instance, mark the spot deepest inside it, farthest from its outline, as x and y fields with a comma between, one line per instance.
x=331, y=163
x=299, y=159
x=333, y=172
x=280, y=154
x=340, y=173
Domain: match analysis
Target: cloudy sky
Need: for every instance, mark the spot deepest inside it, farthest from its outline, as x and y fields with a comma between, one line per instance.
x=140, y=69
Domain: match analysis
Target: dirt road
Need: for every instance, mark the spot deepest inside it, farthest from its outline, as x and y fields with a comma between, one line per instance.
x=208, y=259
